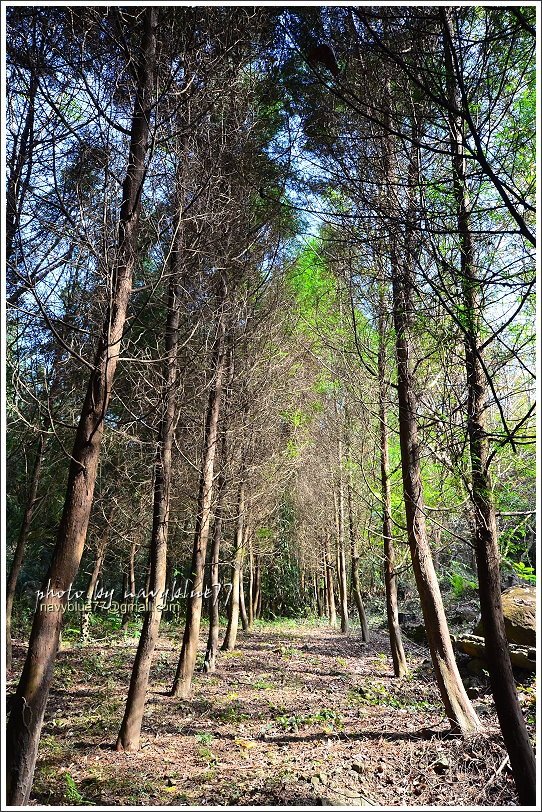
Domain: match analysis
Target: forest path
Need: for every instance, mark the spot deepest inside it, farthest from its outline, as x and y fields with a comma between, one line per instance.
x=297, y=715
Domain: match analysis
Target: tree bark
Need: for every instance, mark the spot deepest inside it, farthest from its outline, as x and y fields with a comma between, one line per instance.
x=257, y=588
x=92, y=581
x=233, y=614
x=20, y=548
x=332, y=612
x=512, y=723
x=209, y=663
x=250, y=596
x=338, y=498
x=129, y=590
x=130, y=729
x=187, y=659
x=317, y=596
x=458, y=707
x=398, y=657
x=17, y=187
x=354, y=555
x=29, y=703
x=242, y=604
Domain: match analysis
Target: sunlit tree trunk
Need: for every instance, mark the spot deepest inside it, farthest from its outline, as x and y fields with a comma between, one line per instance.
x=187, y=659
x=233, y=615
x=354, y=555
x=458, y=707
x=338, y=498
x=503, y=685
x=242, y=604
x=130, y=729
x=28, y=706
x=400, y=667
x=209, y=663
x=250, y=596
x=332, y=611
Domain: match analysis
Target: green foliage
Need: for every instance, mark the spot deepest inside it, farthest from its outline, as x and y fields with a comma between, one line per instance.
x=313, y=287
x=72, y=793
x=523, y=571
x=459, y=581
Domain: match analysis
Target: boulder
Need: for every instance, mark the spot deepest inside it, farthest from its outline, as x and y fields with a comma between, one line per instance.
x=519, y=609
x=475, y=646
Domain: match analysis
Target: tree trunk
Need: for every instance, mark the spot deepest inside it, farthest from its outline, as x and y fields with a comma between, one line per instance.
x=233, y=614
x=398, y=657
x=332, y=612
x=29, y=703
x=17, y=186
x=250, y=596
x=317, y=596
x=356, y=589
x=242, y=605
x=189, y=649
x=129, y=591
x=18, y=556
x=130, y=729
x=338, y=498
x=209, y=663
x=257, y=588
x=457, y=705
x=92, y=581
x=512, y=723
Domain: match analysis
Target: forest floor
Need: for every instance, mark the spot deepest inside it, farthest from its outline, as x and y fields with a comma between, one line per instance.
x=299, y=714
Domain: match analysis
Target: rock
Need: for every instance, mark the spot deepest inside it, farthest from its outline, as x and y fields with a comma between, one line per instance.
x=358, y=766
x=521, y=656
x=519, y=609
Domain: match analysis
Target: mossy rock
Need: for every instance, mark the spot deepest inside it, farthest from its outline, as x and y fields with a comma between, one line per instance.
x=519, y=609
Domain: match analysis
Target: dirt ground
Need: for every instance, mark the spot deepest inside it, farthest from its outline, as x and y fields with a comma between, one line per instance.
x=297, y=715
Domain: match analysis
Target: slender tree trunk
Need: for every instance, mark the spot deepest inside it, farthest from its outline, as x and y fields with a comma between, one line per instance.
x=257, y=588
x=457, y=705
x=20, y=548
x=129, y=590
x=317, y=596
x=189, y=649
x=332, y=612
x=250, y=596
x=338, y=498
x=503, y=685
x=242, y=604
x=354, y=555
x=400, y=667
x=130, y=729
x=28, y=707
x=92, y=581
x=209, y=663
x=325, y=586
x=233, y=614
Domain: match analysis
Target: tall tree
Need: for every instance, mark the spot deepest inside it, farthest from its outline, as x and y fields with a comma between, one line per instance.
x=26, y=719
x=503, y=686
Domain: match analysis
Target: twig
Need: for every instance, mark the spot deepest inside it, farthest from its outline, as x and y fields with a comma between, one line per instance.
x=498, y=771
